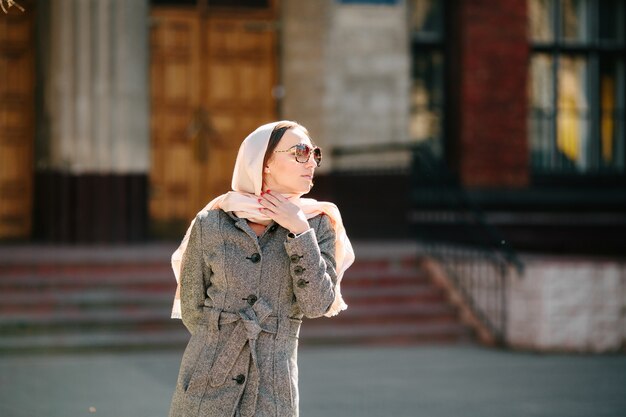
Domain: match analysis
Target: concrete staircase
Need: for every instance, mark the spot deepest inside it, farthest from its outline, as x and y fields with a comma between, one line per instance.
x=87, y=298
x=391, y=300
x=55, y=299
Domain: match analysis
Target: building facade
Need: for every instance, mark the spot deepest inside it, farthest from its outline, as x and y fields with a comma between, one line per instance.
x=122, y=118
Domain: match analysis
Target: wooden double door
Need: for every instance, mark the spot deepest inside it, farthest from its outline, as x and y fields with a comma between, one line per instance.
x=212, y=77
x=17, y=115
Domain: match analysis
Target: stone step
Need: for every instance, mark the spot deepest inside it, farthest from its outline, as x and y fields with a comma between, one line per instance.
x=55, y=299
x=134, y=291
x=368, y=277
x=406, y=294
x=92, y=276
x=28, y=322
x=388, y=333
x=178, y=337
x=113, y=300
x=390, y=313
x=94, y=340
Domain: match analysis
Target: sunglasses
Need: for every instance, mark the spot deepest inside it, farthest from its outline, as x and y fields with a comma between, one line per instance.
x=303, y=153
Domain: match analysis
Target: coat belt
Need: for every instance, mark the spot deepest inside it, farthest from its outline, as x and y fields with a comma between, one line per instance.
x=251, y=322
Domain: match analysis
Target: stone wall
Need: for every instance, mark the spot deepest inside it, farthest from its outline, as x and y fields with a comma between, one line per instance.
x=346, y=75
x=304, y=41
x=568, y=304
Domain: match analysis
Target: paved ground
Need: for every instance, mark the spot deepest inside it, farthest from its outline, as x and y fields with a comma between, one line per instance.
x=432, y=381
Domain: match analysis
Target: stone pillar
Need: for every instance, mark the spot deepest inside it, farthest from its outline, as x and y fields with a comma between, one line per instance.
x=346, y=76
x=304, y=41
x=493, y=45
x=368, y=81
x=93, y=168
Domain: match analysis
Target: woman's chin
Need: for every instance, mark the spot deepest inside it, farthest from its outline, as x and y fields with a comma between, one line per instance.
x=303, y=187
x=308, y=187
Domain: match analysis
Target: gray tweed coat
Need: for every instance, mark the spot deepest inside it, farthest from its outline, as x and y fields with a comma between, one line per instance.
x=243, y=298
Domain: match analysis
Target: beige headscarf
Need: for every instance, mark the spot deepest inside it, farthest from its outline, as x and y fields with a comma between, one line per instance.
x=243, y=200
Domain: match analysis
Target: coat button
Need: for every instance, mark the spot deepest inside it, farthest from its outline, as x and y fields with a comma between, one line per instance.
x=298, y=270
x=254, y=258
x=240, y=379
x=301, y=283
x=251, y=299
x=295, y=258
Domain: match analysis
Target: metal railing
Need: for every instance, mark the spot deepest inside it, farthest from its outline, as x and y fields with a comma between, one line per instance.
x=452, y=229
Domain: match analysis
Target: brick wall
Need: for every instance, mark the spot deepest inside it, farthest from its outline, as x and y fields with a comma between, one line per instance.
x=493, y=56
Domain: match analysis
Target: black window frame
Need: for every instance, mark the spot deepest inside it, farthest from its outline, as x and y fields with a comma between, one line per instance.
x=419, y=44
x=593, y=50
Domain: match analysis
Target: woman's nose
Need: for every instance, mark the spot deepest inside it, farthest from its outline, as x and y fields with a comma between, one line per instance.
x=310, y=163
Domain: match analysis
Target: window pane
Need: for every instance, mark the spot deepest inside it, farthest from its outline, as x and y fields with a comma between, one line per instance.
x=611, y=20
x=574, y=21
x=612, y=140
x=427, y=18
x=427, y=100
x=541, y=116
x=573, y=115
x=541, y=18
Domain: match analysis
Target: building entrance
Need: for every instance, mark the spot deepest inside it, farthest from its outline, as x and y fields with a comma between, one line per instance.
x=212, y=72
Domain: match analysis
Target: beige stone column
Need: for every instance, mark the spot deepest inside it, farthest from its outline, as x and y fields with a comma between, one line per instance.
x=305, y=30
x=93, y=127
x=96, y=98
x=346, y=76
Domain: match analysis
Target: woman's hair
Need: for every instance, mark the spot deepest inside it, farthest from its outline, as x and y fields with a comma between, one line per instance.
x=277, y=135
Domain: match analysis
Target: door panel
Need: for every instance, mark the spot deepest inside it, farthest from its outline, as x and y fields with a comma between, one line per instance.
x=175, y=69
x=16, y=122
x=212, y=80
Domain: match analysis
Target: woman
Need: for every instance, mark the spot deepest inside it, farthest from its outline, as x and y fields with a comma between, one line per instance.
x=253, y=263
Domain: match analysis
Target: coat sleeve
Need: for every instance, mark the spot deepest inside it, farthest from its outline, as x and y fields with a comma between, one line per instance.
x=192, y=288
x=312, y=267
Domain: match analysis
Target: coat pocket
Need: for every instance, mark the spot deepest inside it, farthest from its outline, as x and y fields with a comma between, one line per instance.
x=195, y=366
x=286, y=378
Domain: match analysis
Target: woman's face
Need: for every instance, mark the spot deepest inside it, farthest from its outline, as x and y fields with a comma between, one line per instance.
x=283, y=173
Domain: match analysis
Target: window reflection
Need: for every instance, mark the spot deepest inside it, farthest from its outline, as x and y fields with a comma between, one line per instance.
x=612, y=140
x=573, y=111
x=427, y=74
x=576, y=84
x=427, y=18
x=574, y=22
x=541, y=20
x=541, y=86
x=427, y=101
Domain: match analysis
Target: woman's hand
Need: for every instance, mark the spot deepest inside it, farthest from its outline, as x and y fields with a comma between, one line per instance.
x=283, y=212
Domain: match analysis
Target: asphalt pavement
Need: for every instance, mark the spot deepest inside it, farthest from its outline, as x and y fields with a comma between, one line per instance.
x=338, y=381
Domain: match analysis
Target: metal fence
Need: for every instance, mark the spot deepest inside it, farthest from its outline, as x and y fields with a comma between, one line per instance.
x=452, y=230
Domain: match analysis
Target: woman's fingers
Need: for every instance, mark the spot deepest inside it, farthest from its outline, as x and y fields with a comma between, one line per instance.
x=266, y=204
x=282, y=211
x=274, y=199
x=277, y=196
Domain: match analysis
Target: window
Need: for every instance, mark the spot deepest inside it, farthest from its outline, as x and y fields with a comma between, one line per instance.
x=576, y=87
x=426, y=19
